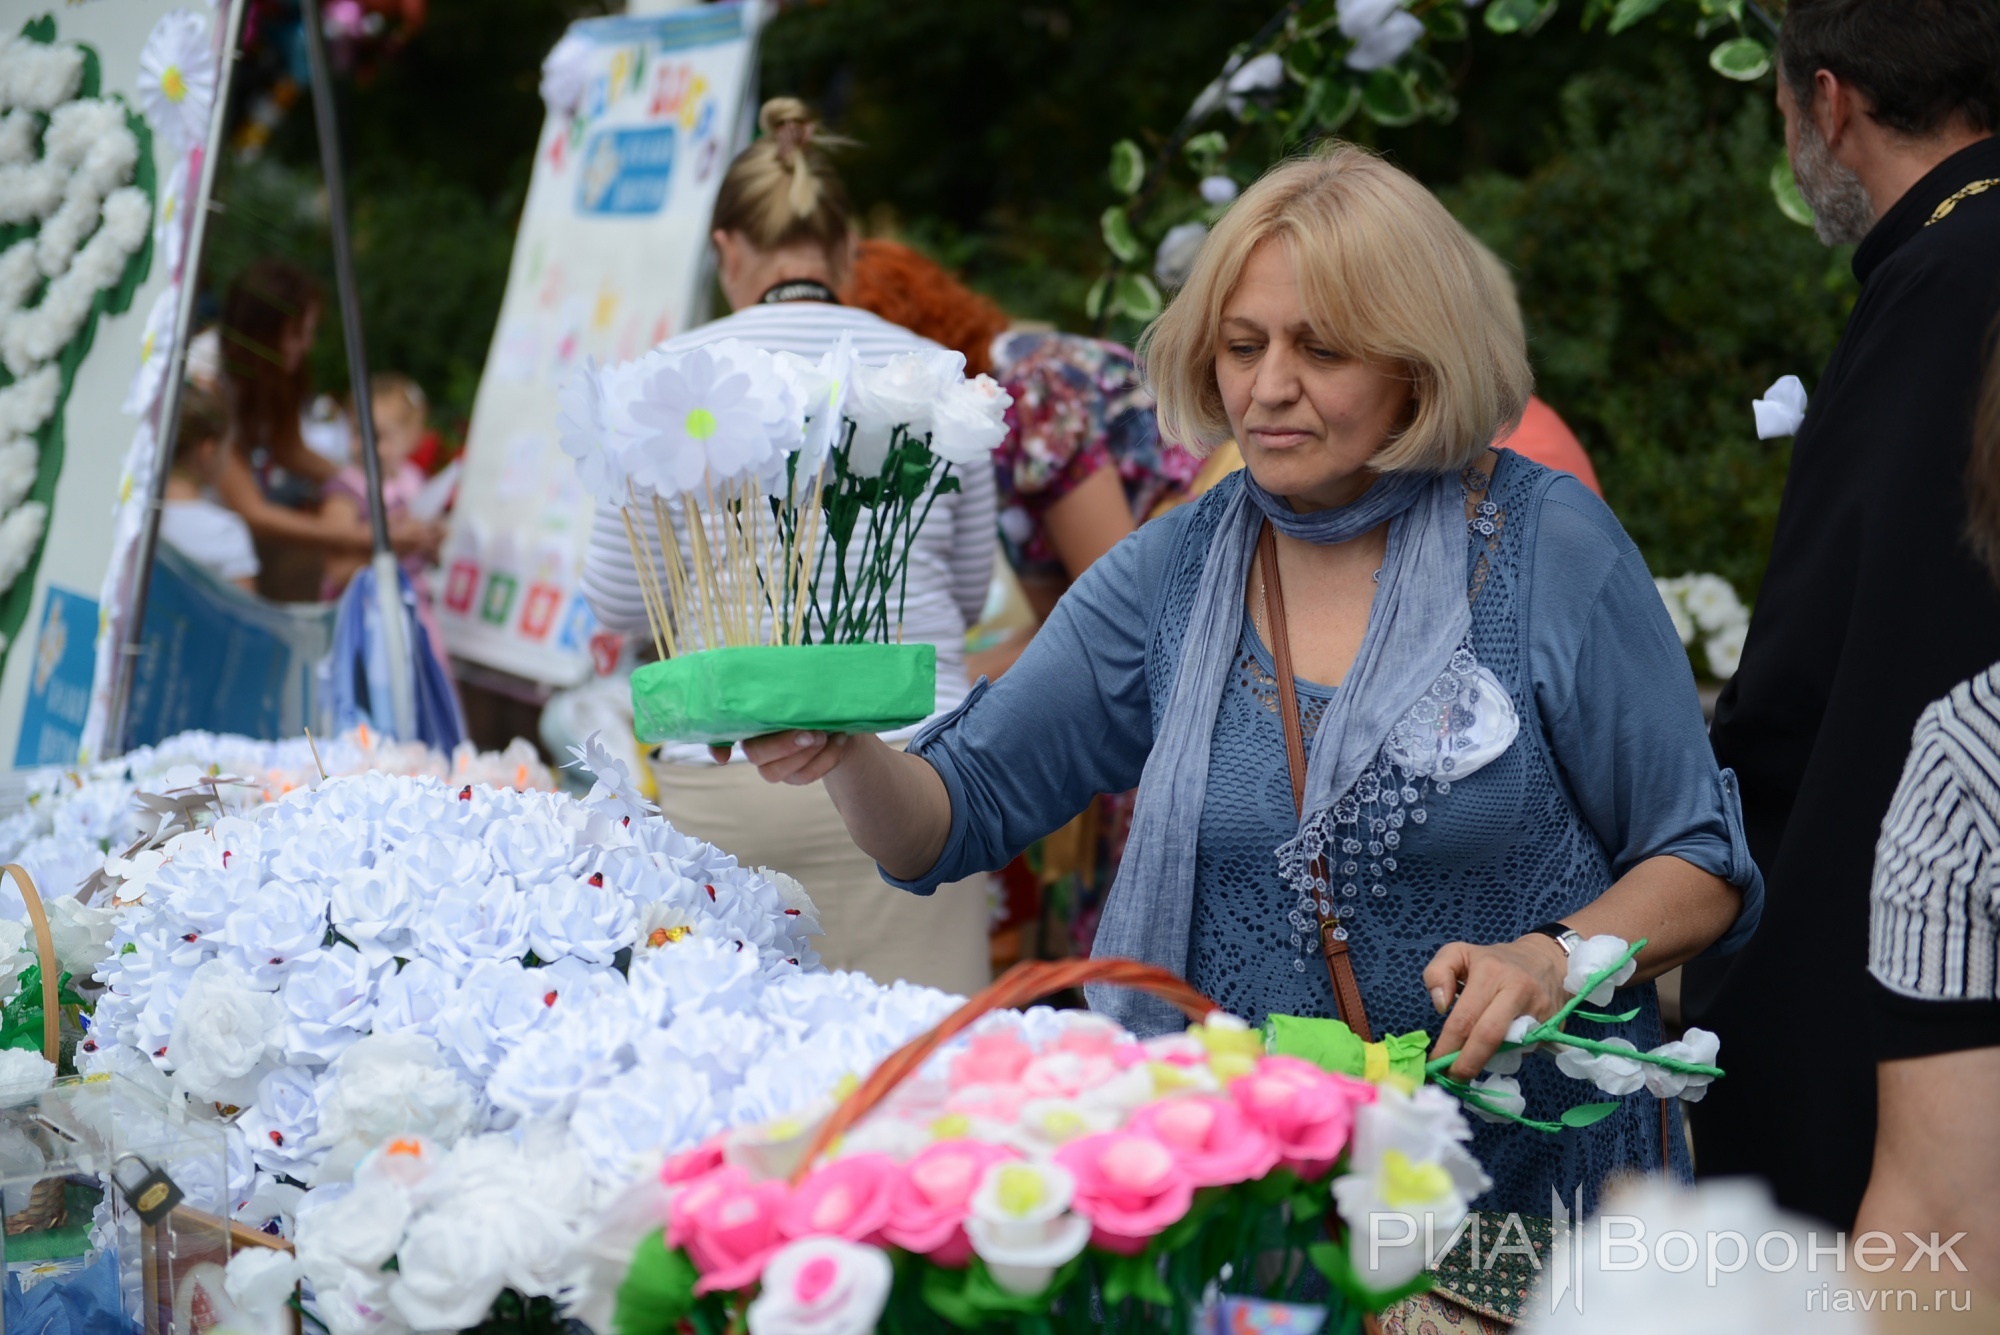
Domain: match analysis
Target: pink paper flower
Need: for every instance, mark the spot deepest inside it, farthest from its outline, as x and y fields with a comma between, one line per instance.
x=1308, y=1113
x=1090, y=1035
x=989, y=1103
x=1217, y=1145
x=729, y=1226
x=688, y=1165
x=995, y=1058
x=928, y=1207
x=1129, y=1185
x=847, y=1198
x=1064, y=1075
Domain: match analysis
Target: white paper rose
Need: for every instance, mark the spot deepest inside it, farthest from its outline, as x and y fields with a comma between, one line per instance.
x=224, y=1030
x=259, y=1280
x=822, y=1286
x=1615, y=1075
x=23, y=1075
x=1782, y=410
x=329, y=999
x=359, y=1230
x=968, y=421
x=80, y=934
x=390, y=1085
x=1408, y=1161
x=1696, y=1045
x=1592, y=955
x=279, y=1127
x=1020, y=1224
x=450, y=1268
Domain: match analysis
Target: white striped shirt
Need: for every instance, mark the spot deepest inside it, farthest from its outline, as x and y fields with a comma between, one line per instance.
x=1934, y=929
x=951, y=560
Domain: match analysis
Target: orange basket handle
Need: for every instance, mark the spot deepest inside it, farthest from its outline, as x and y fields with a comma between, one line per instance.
x=1022, y=985
x=45, y=951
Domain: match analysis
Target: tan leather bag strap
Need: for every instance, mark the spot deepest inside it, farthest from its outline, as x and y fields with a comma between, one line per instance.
x=1339, y=967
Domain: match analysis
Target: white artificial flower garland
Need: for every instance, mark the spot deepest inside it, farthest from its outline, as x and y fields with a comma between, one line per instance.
x=75, y=186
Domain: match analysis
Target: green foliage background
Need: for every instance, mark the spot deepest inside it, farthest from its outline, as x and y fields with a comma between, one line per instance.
x=1625, y=182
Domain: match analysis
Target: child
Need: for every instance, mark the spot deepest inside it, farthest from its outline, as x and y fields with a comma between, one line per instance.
x=399, y=409
x=212, y=536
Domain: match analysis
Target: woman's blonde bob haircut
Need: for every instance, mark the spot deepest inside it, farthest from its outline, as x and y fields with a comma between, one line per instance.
x=1388, y=276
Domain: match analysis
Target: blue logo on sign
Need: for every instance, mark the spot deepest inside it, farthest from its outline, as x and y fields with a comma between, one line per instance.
x=627, y=170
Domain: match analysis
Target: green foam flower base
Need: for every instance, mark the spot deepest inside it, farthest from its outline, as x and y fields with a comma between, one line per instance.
x=720, y=696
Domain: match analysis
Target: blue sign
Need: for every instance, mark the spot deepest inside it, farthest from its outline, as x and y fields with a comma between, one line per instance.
x=626, y=171
x=212, y=656
x=59, y=686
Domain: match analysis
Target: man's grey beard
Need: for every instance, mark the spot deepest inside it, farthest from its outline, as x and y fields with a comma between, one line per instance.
x=1842, y=211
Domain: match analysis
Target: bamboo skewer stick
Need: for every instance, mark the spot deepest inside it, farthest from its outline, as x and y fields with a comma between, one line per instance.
x=697, y=528
x=647, y=593
x=677, y=575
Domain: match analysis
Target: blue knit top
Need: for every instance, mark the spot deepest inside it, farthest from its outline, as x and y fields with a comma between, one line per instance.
x=1611, y=767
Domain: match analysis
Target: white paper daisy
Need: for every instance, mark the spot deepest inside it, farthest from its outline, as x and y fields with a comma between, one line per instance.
x=177, y=79
x=156, y=353
x=170, y=219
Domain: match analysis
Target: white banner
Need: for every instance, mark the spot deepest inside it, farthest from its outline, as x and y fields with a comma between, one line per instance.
x=612, y=257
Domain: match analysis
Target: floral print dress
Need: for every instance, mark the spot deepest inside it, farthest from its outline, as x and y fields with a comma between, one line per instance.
x=1079, y=405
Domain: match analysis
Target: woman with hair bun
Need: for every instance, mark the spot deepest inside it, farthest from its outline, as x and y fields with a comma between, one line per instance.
x=1405, y=714
x=784, y=245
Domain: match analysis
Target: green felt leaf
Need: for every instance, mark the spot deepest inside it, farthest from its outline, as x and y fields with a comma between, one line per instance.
x=1588, y=1114
x=1128, y=167
x=1742, y=58
x=658, y=1290
x=1601, y=1018
x=1629, y=12
x=1389, y=99
x=1117, y=230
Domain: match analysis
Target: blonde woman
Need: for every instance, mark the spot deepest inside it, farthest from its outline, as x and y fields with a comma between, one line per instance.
x=1403, y=712
x=784, y=244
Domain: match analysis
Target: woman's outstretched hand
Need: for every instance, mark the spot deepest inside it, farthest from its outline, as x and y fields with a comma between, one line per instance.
x=894, y=804
x=1492, y=985
x=797, y=758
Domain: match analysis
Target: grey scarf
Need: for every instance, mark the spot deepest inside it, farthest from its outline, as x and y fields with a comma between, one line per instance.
x=1418, y=620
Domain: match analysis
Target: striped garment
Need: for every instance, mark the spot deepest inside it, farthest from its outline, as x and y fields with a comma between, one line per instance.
x=1934, y=930
x=951, y=561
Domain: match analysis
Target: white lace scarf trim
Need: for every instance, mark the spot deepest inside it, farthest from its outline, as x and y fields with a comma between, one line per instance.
x=1455, y=729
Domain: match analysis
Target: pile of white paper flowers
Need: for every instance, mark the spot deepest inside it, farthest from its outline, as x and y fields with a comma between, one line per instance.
x=396, y=970
x=73, y=819
x=1707, y=606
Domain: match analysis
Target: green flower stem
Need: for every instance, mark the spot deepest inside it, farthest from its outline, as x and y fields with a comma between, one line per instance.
x=1550, y=1030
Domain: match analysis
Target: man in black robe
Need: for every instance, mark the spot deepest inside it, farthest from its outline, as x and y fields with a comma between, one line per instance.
x=1873, y=605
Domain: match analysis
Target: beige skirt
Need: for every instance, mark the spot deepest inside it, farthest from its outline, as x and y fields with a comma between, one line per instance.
x=937, y=940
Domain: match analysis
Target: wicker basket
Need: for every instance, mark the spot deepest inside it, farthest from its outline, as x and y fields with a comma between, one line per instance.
x=1022, y=985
